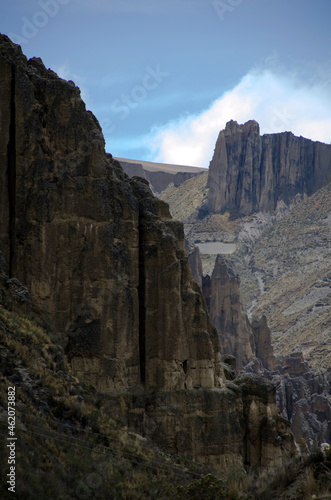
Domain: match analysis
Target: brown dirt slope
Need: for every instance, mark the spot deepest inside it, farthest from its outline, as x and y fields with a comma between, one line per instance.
x=292, y=263
x=187, y=197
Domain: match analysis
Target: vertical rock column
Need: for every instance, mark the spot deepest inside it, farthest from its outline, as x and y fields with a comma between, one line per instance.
x=180, y=346
x=233, y=171
x=6, y=167
x=227, y=314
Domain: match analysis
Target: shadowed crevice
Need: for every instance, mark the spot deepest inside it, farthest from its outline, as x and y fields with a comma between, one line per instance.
x=142, y=306
x=11, y=155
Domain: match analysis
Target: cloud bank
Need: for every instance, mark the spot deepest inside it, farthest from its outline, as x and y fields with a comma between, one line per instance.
x=279, y=103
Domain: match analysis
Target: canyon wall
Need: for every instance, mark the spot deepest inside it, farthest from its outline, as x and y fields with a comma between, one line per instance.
x=302, y=393
x=107, y=270
x=249, y=173
x=98, y=252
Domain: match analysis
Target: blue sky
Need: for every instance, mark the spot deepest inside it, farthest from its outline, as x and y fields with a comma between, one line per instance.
x=164, y=76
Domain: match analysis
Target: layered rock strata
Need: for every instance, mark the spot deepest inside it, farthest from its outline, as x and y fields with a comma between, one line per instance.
x=107, y=269
x=249, y=173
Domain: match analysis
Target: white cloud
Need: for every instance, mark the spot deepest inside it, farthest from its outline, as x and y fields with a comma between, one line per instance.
x=278, y=102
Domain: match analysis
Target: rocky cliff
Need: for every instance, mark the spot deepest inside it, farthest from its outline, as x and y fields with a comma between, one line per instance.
x=227, y=314
x=98, y=252
x=249, y=173
x=247, y=342
x=107, y=271
x=75, y=443
x=303, y=393
x=303, y=397
x=283, y=260
x=133, y=169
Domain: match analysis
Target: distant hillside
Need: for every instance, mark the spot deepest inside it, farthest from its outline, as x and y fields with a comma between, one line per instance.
x=187, y=197
x=164, y=167
x=286, y=274
x=159, y=175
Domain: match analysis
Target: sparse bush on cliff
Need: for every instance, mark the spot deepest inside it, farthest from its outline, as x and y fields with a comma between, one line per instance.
x=207, y=487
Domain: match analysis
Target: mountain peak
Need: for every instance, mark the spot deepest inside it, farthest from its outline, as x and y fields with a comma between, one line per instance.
x=250, y=126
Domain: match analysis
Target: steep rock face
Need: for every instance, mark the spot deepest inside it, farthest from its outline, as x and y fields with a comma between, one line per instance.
x=247, y=342
x=263, y=345
x=249, y=173
x=303, y=394
x=196, y=266
x=79, y=262
x=180, y=344
x=227, y=314
x=159, y=180
x=259, y=402
x=98, y=253
x=304, y=397
x=181, y=177
x=234, y=425
x=107, y=268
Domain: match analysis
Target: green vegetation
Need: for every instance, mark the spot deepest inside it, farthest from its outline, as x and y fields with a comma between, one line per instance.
x=207, y=487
